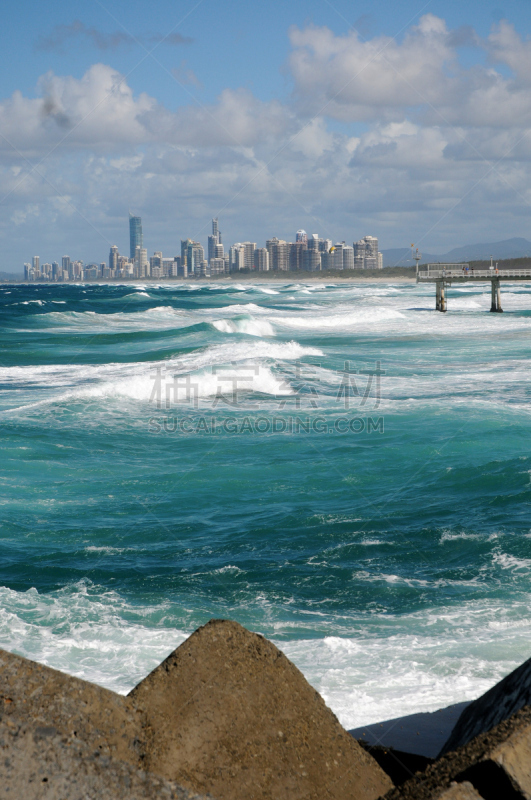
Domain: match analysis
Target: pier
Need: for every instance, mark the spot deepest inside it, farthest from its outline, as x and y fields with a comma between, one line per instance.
x=443, y=275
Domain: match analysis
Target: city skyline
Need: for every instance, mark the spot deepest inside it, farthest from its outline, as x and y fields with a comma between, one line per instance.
x=308, y=253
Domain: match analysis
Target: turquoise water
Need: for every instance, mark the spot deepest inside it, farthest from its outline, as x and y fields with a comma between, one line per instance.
x=384, y=544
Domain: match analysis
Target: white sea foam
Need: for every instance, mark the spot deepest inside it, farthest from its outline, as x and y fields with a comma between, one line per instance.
x=99, y=638
x=339, y=321
x=512, y=563
x=136, y=381
x=251, y=327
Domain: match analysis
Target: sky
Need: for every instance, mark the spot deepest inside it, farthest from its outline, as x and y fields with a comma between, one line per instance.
x=408, y=121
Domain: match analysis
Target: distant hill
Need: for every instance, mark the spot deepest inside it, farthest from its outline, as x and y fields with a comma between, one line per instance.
x=11, y=276
x=508, y=248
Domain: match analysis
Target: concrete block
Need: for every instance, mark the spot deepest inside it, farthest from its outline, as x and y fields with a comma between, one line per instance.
x=230, y=714
x=41, y=763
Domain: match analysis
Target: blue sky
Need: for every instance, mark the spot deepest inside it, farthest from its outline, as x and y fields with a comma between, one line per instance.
x=408, y=121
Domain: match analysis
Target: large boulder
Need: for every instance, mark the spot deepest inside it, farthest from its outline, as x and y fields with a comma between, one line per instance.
x=38, y=762
x=230, y=714
x=497, y=764
x=102, y=719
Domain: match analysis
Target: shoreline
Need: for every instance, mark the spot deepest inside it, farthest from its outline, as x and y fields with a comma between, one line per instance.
x=220, y=279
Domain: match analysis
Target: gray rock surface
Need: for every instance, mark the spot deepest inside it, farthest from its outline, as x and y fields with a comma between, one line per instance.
x=102, y=719
x=497, y=764
x=38, y=762
x=230, y=714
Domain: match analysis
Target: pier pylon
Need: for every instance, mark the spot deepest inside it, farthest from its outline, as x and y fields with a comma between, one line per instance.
x=495, y=296
x=440, y=296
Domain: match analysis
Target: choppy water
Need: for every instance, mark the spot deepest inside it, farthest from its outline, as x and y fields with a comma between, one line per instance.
x=391, y=566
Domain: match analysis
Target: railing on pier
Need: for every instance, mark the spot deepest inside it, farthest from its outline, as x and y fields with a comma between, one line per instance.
x=432, y=272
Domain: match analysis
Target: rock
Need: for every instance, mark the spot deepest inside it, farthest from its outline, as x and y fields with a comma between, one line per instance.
x=499, y=703
x=497, y=764
x=230, y=714
x=102, y=719
x=459, y=791
x=41, y=763
x=399, y=765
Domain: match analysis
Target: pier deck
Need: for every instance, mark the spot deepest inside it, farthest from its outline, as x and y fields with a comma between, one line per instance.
x=443, y=275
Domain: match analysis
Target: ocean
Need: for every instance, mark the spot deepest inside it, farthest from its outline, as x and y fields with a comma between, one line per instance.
x=333, y=465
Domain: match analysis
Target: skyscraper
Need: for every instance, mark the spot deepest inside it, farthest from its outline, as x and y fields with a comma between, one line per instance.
x=136, y=238
x=366, y=253
x=195, y=255
x=261, y=259
x=301, y=236
x=214, y=240
x=113, y=257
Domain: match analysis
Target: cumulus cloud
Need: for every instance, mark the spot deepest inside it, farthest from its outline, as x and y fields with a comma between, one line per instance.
x=61, y=35
x=422, y=76
x=350, y=79
x=98, y=110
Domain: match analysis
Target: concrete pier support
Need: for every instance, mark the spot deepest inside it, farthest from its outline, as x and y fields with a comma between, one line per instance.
x=495, y=296
x=440, y=296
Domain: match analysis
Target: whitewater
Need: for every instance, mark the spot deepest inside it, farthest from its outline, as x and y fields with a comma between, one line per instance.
x=153, y=477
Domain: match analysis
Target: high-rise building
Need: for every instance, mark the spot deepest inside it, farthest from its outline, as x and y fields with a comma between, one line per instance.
x=217, y=266
x=181, y=268
x=35, y=261
x=195, y=255
x=237, y=257
x=333, y=259
x=136, y=238
x=278, y=250
x=55, y=270
x=301, y=236
x=184, y=252
x=140, y=263
x=296, y=250
x=311, y=259
x=156, y=265
x=248, y=258
x=113, y=257
x=348, y=257
x=366, y=253
x=219, y=251
x=212, y=244
x=261, y=259
x=214, y=240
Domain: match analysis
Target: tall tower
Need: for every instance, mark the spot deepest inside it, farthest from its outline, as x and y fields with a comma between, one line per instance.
x=136, y=238
x=113, y=257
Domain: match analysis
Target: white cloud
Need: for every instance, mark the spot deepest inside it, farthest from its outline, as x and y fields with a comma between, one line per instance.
x=99, y=110
x=442, y=148
x=349, y=79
